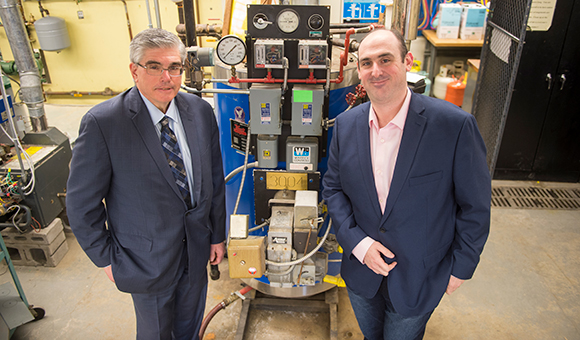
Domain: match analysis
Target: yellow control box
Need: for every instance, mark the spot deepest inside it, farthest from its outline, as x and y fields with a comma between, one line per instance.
x=247, y=257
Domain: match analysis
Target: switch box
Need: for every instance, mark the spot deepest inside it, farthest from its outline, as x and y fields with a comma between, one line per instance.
x=307, y=103
x=265, y=109
x=247, y=257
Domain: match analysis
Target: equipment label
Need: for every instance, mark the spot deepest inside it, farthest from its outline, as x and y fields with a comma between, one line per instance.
x=265, y=114
x=239, y=132
x=301, y=154
x=307, y=114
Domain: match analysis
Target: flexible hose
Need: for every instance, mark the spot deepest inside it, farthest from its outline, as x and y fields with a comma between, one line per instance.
x=244, y=171
x=223, y=304
x=238, y=169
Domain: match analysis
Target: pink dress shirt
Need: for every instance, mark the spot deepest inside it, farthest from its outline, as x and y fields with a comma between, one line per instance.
x=385, y=143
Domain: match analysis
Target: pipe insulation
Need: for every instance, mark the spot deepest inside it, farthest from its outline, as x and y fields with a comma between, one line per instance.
x=30, y=85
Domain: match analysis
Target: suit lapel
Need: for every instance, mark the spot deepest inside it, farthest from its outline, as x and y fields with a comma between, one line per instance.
x=144, y=125
x=364, y=148
x=414, y=126
x=193, y=140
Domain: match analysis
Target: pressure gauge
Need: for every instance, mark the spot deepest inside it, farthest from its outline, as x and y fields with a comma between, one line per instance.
x=288, y=21
x=231, y=50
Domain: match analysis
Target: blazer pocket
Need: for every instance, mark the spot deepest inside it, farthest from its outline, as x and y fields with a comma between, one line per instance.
x=134, y=242
x=418, y=180
x=437, y=256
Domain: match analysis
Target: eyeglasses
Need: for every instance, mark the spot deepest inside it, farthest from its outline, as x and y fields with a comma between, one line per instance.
x=157, y=70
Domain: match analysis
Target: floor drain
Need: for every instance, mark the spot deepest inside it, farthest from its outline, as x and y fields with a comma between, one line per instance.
x=535, y=198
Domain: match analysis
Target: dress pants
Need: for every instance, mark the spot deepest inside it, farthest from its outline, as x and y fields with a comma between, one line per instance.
x=176, y=313
x=378, y=319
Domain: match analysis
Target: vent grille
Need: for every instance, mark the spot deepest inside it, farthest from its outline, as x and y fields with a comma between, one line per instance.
x=535, y=198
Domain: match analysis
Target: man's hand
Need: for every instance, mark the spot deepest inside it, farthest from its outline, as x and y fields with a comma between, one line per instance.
x=216, y=253
x=454, y=283
x=375, y=262
x=109, y=271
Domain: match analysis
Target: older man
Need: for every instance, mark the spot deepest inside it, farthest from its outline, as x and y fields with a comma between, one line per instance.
x=146, y=191
x=409, y=192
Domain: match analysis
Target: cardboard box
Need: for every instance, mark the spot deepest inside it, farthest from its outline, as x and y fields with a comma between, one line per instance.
x=449, y=21
x=473, y=19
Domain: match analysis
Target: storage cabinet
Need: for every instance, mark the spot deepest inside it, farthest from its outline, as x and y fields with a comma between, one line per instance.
x=541, y=140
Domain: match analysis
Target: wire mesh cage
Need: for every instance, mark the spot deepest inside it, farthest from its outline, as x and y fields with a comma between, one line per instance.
x=500, y=56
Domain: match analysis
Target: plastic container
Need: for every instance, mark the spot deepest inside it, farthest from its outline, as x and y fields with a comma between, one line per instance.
x=455, y=91
x=440, y=84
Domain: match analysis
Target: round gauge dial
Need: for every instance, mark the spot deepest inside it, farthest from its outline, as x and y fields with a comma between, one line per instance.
x=315, y=22
x=288, y=21
x=260, y=21
x=231, y=50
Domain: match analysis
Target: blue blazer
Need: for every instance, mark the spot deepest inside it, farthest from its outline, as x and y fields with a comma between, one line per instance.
x=122, y=201
x=437, y=215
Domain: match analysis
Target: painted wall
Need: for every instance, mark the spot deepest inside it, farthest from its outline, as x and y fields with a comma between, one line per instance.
x=99, y=53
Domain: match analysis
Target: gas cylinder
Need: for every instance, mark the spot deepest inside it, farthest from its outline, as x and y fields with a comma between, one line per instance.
x=441, y=81
x=455, y=91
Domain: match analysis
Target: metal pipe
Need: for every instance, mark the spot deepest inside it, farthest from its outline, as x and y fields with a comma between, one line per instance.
x=31, y=88
x=148, y=14
x=157, y=16
x=406, y=18
x=128, y=21
x=106, y=92
x=193, y=90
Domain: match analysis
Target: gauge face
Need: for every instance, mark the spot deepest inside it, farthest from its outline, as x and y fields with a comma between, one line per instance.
x=260, y=21
x=315, y=22
x=231, y=50
x=288, y=21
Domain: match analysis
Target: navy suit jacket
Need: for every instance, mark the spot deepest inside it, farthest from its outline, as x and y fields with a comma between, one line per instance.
x=437, y=214
x=119, y=176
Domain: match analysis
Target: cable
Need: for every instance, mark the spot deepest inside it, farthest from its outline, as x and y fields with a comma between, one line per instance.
x=244, y=172
x=17, y=144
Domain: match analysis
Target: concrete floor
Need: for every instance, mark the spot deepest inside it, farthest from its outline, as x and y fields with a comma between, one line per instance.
x=527, y=286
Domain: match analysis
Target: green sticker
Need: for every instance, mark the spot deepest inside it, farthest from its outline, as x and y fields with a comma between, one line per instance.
x=302, y=96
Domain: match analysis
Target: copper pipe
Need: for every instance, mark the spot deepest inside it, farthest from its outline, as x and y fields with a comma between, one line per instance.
x=106, y=92
x=128, y=21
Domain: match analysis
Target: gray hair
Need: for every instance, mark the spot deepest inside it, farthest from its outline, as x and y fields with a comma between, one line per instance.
x=153, y=38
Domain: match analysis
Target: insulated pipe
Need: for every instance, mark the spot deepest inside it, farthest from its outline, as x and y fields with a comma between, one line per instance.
x=30, y=86
x=406, y=19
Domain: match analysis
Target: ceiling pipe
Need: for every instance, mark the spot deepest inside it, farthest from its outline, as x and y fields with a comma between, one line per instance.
x=406, y=19
x=30, y=85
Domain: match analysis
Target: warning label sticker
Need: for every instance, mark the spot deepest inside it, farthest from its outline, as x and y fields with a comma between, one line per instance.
x=307, y=114
x=265, y=115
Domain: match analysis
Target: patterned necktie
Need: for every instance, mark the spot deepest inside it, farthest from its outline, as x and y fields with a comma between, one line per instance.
x=173, y=155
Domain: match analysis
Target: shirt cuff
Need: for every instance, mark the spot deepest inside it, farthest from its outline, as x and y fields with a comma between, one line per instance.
x=361, y=249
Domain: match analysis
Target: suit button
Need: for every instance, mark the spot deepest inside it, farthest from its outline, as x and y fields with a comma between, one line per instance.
x=183, y=240
x=383, y=230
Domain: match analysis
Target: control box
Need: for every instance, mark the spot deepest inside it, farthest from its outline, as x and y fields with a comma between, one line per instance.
x=267, y=151
x=247, y=257
x=302, y=154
